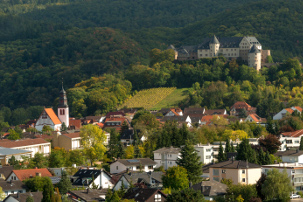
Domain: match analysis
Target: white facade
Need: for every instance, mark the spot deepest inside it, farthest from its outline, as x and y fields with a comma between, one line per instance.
x=76, y=143
x=206, y=153
x=44, y=148
x=289, y=142
x=284, y=112
x=63, y=115
x=103, y=180
x=292, y=159
x=12, y=176
x=118, y=167
x=48, y=122
x=166, y=160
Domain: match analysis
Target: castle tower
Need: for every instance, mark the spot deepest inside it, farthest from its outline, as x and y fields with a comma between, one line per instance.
x=214, y=46
x=254, y=58
x=63, y=111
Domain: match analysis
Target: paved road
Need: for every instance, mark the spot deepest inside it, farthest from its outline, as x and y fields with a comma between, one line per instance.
x=296, y=200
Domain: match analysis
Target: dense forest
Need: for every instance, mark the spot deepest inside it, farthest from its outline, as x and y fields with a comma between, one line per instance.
x=43, y=41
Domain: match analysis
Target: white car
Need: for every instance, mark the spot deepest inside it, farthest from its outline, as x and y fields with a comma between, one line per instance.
x=295, y=196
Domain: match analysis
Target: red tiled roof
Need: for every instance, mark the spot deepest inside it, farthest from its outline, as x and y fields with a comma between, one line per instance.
x=207, y=118
x=115, y=119
x=44, y=136
x=25, y=174
x=289, y=110
x=296, y=133
x=75, y=122
x=241, y=105
x=101, y=125
x=20, y=143
x=72, y=135
x=175, y=111
x=50, y=112
x=298, y=108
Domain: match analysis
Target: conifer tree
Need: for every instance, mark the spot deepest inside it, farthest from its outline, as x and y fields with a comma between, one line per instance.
x=63, y=127
x=65, y=184
x=29, y=199
x=301, y=144
x=124, y=127
x=267, y=158
x=221, y=156
x=48, y=192
x=137, y=152
x=232, y=147
x=191, y=162
x=261, y=157
x=227, y=146
x=113, y=144
x=245, y=152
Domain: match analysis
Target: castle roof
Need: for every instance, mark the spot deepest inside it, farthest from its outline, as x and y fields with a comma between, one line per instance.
x=225, y=42
x=254, y=49
x=214, y=40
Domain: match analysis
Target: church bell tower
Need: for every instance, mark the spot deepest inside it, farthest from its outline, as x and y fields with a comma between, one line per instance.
x=63, y=111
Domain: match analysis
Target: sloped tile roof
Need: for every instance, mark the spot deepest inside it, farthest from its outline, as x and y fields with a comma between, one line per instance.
x=289, y=110
x=137, y=162
x=27, y=173
x=37, y=196
x=72, y=135
x=21, y=143
x=296, y=133
x=50, y=112
x=173, y=150
x=12, y=185
x=235, y=165
x=210, y=188
x=141, y=194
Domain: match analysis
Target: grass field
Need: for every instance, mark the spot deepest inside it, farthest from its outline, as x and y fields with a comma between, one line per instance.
x=148, y=98
x=173, y=99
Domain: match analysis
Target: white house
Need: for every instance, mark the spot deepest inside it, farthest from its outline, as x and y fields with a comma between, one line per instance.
x=48, y=118
x=291, y=156
x=254, y=118
x=88, y=177
x=286, y=111
x=28, y=173
x=166, y=157
x=175, y=112
x=294, y=171
x=290, y=140
x=37, y=145
x=140, y=164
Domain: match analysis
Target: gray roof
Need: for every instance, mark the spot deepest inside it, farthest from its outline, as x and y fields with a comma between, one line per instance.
x=192, y=110
x=210, y=188
x=173, y=150
x=142, y=194
x=171, y=47
x=214, y=40
x=174, y=118
x=254, y=49
x=12, y=185
x=252, y=40
x=89, y=194
x=187, y=50
x=225, y=42
x=289, y=153
x=235, y=165
x=6, y=170
x=37, y=196
x=85, y=176
x=55, y=179
x=139, y=177
x=8, y=151
x=137, y=162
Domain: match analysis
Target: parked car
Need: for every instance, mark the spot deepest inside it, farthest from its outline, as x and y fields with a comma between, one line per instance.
x=295, y=196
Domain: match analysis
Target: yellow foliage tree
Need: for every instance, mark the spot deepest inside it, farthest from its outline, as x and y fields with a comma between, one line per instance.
x=234, y=135
x=92, y=141
x=129, y=152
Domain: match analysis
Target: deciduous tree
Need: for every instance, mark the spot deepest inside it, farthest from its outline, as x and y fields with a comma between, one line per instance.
x=187, y=195
x=271, y=143
x=175, y=178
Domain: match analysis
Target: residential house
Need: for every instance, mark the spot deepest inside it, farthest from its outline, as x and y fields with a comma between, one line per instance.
x=5, y=171
x=139, y=164
x=95, y=119
x=28, y=173
x=179, y=119
x=140, y=179
x=210, y=189
x=291, y=156
x=294, y=171
x=88, y=177
x=145, y=195
x=75, y=124
x=254, y=118
x=21, y=197
x=48, y=118
x=174, y=112
x=37, y=145
x=127, y=136
x=241, y=108
x=119, y=114
x=12, y=187
x=7, y=153
x=115, y=122
x=215, y=112
x=87, y=195
x=68, y=141
x=287, y=111
x=238, y=171
x=290, y=140
x=166, y=157
x=191, y=111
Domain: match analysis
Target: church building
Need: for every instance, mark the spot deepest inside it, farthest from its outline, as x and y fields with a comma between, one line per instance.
x=49, y=118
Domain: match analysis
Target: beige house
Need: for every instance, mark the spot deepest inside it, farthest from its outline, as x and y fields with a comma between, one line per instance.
x=238, y=171
x=68, y=141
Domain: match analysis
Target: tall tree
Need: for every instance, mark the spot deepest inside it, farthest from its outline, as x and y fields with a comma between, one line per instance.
x=48, y=192
x=227, y=146
x=92, y=141
x=175, y=178
x=191, y=162
x=271, y=143
x=277, y=185
x=301, y=144
x=245, y=152
x=124, y=127
x=186, y=195
x=113, y=144
x=64, y=184
x=221, y=156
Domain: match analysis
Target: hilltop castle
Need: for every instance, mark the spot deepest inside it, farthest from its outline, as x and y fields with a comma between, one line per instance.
x=246, y=48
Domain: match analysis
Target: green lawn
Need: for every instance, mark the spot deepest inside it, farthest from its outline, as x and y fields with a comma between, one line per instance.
x=173, y=99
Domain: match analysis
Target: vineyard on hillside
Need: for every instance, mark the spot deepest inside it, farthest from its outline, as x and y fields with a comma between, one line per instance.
x=148, y=98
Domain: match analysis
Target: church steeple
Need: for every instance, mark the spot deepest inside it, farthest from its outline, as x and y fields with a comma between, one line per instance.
x=63, y=111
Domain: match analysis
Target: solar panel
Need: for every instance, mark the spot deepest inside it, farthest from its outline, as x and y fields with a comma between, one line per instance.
x=133, y=161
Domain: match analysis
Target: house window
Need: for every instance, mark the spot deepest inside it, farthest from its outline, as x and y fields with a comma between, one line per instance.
x=208, y=157
x=44, y=116
x=138, y=167
x=62, y=111
x=117, y=167
x=223, y=171
x=158, y=197
x=288, y=141
x=208, y=150
x=243, y=179
x=243, y=171
x=150, y=167
x=215, y=172
x=216, y=179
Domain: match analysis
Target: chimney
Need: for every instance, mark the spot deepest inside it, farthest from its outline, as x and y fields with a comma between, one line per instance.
x=38, y=174
x=247, y=164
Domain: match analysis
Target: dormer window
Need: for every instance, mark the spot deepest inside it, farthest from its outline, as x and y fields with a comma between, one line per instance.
x=44, y=115
x=158, y=197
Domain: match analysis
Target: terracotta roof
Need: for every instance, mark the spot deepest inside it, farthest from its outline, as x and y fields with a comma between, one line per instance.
x=289, y=110
x=114, y=119
x=101, y=125
x=298, y=108
x=241, y=105
x=27, y=173
x=207, y=118
x=175, y=111
x=296, y=133
x=72, y=135
x=75, y=122
x=20, y=143
x=50, y=112
x=44, y=136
